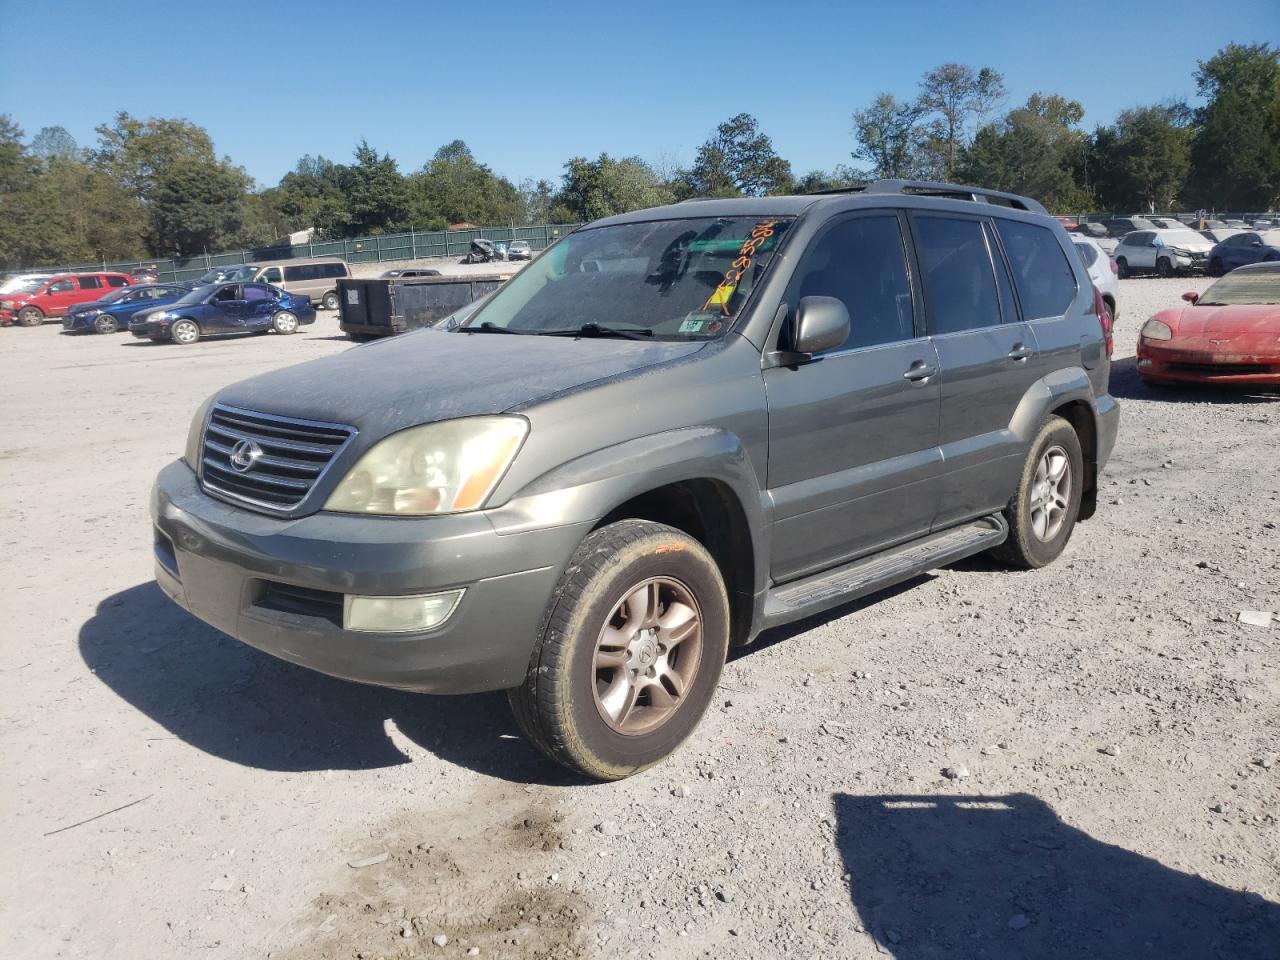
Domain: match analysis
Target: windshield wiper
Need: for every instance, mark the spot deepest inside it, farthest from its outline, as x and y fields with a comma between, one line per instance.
x=594, y=329
x=490, y=327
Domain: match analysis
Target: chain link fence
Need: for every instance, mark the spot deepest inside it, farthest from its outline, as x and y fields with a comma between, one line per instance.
x=413, y=245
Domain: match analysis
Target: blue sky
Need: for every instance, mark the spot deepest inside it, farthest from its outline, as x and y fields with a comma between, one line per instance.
x=529, y=84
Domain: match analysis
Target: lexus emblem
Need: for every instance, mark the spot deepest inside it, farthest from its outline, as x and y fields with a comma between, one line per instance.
x=244, y=455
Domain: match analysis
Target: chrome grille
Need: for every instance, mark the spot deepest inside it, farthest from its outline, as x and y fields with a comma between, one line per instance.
x=293, y=455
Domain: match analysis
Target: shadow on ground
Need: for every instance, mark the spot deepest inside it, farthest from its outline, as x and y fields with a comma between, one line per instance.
x=1127, y=385
x=1003, y=878
x=235, y=702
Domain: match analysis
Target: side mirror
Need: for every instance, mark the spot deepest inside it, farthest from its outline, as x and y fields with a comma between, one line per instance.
x=1191, y=296
x=821, y=323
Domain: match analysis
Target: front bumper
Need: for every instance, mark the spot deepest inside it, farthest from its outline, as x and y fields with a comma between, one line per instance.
x=1163, y=362
x=78, y=321
x=148, y=328
x=1107, y=411
x=230, y=566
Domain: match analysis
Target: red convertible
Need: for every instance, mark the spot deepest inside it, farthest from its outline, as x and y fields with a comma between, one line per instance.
x=1229, y=334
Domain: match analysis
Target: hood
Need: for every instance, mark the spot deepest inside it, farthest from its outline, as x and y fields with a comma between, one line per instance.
x=85, y=307
x=430, y=375
x=1194, y=243
x=1248, y=329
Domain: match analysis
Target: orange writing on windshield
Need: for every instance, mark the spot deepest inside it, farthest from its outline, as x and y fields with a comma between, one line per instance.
x=738, y=269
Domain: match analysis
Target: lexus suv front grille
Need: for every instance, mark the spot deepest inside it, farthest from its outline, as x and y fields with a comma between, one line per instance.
x=267, y=461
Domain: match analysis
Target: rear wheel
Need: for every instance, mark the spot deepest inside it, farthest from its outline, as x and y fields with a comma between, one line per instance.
x=1122, y=268
x=330, y=301
x=185, y=332
x=105, y=324
x=284, y=322
x=630, y=654
x=1043, y=512
x=31, y=316
x=1164, y=268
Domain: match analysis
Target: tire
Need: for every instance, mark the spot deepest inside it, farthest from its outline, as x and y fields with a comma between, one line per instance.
x=105, y=323
x=1122, y=268
x=1111, y=305
x=330, y=301
x=1215, y=267
x=1038, y=536
x=577, y=704
x=1164, y=268
x=284, y=323
x=185, y=332
x=30, y=316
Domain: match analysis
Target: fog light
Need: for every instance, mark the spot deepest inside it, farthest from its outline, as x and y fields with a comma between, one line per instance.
x=400, y=614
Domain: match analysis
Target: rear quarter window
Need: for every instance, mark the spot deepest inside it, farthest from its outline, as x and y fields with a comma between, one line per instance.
x=1041, y=271
x=333, y=270
x=117, y=281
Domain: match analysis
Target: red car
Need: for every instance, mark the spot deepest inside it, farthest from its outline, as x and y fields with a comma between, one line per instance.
x=1228, y=334
x=56, y=295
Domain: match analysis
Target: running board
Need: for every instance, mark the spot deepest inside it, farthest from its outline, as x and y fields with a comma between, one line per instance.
x=831, y=588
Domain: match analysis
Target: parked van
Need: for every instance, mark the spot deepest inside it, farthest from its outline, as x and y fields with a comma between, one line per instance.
x=315, y=279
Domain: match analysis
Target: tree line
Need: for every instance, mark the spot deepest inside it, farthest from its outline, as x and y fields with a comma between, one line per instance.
x=157, y=188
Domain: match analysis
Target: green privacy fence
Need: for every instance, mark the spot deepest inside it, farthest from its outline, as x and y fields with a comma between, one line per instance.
x=413, y=245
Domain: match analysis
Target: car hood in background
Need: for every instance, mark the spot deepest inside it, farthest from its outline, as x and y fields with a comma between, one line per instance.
x=1253, y=330
x=431, y=375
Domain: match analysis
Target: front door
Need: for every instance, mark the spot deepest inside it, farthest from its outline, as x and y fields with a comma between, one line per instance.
x=227, y=315
x=853, y=434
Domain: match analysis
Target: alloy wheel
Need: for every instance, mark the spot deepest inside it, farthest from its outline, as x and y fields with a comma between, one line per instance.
x=647, y=655
x=1050, y=493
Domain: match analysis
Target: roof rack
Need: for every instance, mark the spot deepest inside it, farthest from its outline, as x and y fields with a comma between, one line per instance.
x=934, y=188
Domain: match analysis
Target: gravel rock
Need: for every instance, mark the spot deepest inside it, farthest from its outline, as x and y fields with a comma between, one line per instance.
x=958, y=772
x=610, y=828
x=440, y=940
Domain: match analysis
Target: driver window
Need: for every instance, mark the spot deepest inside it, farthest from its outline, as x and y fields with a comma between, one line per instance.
x=62, y=286
x=225, y=295
x=861, y=262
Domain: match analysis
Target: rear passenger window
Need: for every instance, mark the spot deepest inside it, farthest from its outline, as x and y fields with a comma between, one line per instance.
x=1043, y=275
x=90, y=283
x=1087, y=254
x=117, y=282
x=860, y=261
x=254, y=291
x=333, y=270
x=958, y=277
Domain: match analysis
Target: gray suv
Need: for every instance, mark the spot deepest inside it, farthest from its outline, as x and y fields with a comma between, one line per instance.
x=675, y=429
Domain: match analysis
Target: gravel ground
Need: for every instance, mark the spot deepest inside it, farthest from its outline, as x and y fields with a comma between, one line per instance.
x=1076, y=762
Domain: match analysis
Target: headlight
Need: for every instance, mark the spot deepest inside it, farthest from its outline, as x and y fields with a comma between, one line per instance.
x=445, y=467
x=7, y=304
x=159, y=315
x=195, y=436
x=1155, y=330
x=89, y=313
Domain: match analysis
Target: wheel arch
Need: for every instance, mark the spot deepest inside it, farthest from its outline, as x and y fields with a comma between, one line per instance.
x=1066, y=393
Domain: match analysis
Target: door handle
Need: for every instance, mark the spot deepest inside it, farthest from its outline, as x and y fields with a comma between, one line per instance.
x=1020, y=352
x=919, y=372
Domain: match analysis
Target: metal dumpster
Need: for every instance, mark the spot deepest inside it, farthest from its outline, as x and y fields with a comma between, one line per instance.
x=381, y=307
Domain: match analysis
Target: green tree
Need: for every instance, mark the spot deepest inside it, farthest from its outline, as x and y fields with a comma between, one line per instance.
x=538, y=199
x=198, y=205
x=889, y=137
x=309, y=195
x=1235, y=154
x=1036, y=150
x=737, y=160
x=54, y=142
x=838, y=179
x=953, y=99
x=377, y=195
x=136, y=152
x=605, y=187
x=1141, y=160
x=456, y=188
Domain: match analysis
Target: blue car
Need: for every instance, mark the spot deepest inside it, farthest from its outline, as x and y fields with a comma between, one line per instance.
x=114, y=311
x=1241, y=249
x=217, y=309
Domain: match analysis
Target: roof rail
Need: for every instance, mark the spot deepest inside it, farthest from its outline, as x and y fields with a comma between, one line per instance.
x=934, y=188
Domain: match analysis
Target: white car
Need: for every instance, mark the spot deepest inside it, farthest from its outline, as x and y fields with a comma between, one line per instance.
x=1102, y=271
x=1163, y=252
x=23, y=281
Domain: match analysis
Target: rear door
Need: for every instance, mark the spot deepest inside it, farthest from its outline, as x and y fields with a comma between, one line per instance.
x=1142, y=250
x=988, y=358
x=259, y=306
x=853, y=435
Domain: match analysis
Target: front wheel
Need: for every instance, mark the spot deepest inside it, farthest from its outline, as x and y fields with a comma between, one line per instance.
x=1164, y=268
x=185, y=332
x=330, y=301
x=1043, y=512
x=1122, y=268
x=1215, y=267
x=630, y=653
x=284, y=322
x=31, y=316
x=106, y=324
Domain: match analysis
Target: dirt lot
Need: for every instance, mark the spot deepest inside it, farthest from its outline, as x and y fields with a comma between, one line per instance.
x=1112, y=728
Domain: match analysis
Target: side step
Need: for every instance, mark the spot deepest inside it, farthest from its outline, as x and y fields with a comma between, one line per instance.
x=830, y=588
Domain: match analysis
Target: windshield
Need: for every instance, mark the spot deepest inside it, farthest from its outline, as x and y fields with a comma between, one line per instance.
x=116, y=294
x=18, y=285
x=669, y=279
x=219, y=274
x=198, y=295
x=1242, y=288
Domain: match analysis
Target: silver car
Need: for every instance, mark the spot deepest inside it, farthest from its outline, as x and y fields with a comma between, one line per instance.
x=1102, y=271
x=1162, y=252
x=519, y=250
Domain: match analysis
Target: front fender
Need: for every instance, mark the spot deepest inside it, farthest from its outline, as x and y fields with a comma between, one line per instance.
x=592, y=486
